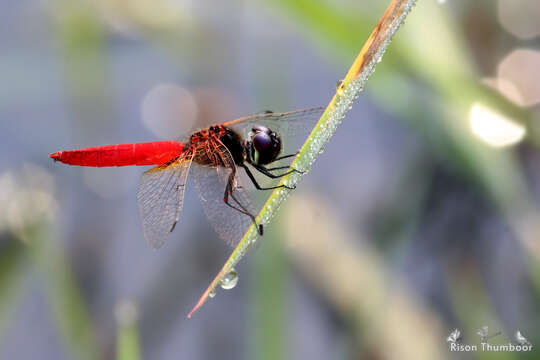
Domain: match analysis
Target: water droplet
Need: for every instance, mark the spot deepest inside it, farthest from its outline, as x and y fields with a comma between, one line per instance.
x=338, y=84
x=230, y=280
x=212, y=293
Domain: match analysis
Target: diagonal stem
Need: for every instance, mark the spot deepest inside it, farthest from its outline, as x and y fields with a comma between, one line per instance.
x=346, y=93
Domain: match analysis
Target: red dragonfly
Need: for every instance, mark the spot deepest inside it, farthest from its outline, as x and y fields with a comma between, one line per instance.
x=218, y=151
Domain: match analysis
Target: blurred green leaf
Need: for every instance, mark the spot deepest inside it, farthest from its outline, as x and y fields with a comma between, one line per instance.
x=270, y=282
x=84, y=48
x=127, y=346
x=68, y=307
x=12, y=273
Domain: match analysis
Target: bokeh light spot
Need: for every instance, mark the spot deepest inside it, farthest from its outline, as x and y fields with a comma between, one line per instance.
x=506, y=88
x=522, y=68
x=493, y=128
x=520, y=17
x=27, y=198
x=169, y=110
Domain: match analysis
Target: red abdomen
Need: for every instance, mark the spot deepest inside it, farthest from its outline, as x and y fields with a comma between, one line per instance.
x=151, y=153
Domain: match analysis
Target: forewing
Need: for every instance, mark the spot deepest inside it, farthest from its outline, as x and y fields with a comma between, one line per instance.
x=161, y=197
x=211, y=182
x=292, y=126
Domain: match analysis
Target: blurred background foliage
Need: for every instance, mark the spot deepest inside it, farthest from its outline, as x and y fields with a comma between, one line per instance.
x=422, y=215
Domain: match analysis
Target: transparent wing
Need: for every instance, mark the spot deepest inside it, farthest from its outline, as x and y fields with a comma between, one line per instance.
x=291, y=119
x=160, y=198
x=211, y=182
x=292, y=126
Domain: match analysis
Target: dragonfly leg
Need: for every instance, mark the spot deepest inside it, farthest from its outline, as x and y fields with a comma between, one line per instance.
x=241, y=208
x=258, y=187
x=277, y=168
x=265, y=171
x=258, y=167
x=284, y=167
x=286, y=156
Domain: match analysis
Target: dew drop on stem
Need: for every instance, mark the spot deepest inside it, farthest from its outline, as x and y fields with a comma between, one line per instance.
x=230, y=280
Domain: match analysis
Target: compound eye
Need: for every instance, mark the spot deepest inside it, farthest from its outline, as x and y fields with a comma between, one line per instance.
x=262, y=141
x=266, y=146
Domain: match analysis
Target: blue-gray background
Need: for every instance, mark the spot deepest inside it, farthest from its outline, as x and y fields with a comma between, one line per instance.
x=429, y=228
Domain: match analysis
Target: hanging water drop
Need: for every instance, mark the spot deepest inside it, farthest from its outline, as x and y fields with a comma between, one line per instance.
x=230, y=280
x=212, y=293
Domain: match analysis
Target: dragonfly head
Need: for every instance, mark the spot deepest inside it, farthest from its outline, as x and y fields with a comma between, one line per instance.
x=263, y=145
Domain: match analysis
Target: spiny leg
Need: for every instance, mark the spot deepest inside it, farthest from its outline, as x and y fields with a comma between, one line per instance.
x=263, y=170
x=260, y=228
x=258, y=187
x=280, y=167
x=286, y=156
x=277, y=168
x=241, y=209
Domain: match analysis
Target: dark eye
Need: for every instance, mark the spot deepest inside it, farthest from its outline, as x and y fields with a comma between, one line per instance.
x=262, y=141
x=266, y=145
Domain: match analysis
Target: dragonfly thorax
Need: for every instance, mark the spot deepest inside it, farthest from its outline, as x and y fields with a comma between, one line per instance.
x=262, y=146
x=233, y=142
x=204, y=154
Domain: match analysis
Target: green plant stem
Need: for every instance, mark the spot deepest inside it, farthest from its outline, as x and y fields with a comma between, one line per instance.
x=127, y=342
x=336, y=110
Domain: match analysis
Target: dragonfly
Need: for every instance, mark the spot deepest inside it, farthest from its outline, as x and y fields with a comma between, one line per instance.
x=255, y=143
